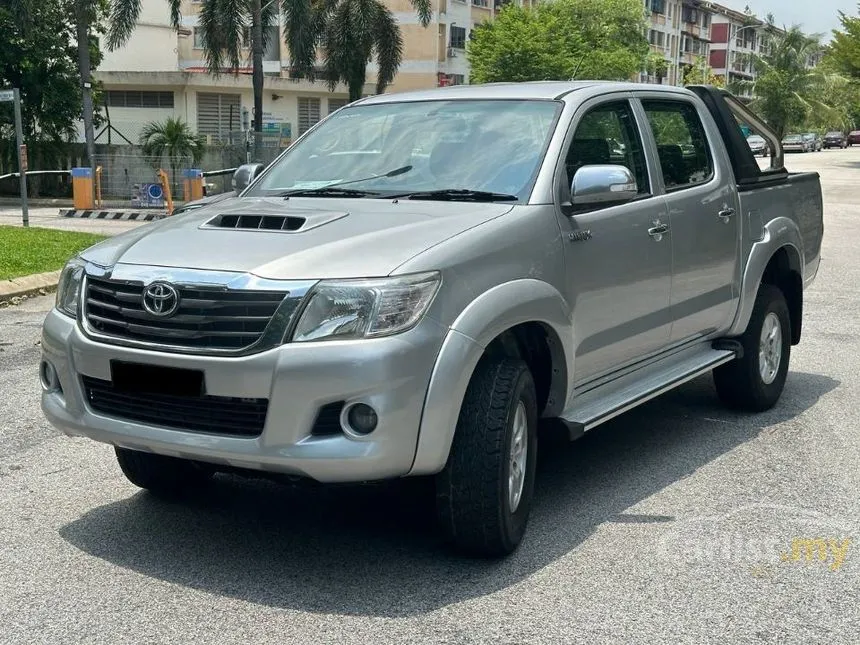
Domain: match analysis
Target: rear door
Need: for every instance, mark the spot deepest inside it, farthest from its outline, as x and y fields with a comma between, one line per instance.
x=702, y=200
x=618, y=264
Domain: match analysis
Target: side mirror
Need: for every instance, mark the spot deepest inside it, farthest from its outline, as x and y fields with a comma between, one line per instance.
x=245, y=174
x=604, y=184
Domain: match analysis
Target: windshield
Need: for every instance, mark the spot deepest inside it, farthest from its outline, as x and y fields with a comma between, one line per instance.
x=834, y=134
x=792, y=137
x=476, y=145
x=755, y=139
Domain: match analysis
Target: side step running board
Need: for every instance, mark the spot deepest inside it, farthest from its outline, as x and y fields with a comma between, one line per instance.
x=607, y=401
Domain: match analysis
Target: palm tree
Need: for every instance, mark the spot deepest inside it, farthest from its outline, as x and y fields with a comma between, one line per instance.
x=174, y=139
x=353, y=32
x=223, y=25
x=786, y=87
x=122, y=16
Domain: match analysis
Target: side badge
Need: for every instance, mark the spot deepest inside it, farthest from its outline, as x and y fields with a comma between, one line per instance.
x=579, y=236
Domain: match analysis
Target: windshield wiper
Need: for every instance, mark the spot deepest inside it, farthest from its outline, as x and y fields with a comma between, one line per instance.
x=327, y=191
x=332, y=190
x=459, y=195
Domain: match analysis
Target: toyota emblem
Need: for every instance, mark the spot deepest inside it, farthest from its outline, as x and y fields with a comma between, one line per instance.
x=161, y=299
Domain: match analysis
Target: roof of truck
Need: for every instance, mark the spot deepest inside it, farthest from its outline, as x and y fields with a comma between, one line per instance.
x=527, y=90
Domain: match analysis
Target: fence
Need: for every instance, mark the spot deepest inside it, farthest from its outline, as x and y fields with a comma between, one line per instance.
x=131, y=180
x=125, y=170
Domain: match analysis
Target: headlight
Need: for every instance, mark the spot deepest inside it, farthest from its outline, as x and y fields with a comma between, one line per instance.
x=350, y=309
x=69, y=287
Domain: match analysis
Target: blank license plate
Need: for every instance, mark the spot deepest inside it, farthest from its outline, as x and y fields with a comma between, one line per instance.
x=155, y=379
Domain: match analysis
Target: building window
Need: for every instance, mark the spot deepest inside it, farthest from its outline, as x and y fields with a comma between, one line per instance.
x=481, y=3
x=336, y=104
x=138, y=99
x=198, y=39
x=706, y=20
x=669, y=11
x=456, y=79
x=309, y=113
x=218, y=114
x=658, y=6
x=458, y=37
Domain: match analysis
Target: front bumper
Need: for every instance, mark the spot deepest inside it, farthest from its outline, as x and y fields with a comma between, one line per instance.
x=389, y=374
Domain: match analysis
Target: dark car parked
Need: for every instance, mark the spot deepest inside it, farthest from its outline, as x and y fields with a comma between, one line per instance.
x=853, y=137
x=835, y=140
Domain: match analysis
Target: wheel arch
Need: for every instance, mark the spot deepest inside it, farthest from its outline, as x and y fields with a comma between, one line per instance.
x=527, y=319
x=776, y=259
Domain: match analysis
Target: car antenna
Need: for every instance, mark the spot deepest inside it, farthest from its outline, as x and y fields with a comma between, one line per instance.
x=578, y=65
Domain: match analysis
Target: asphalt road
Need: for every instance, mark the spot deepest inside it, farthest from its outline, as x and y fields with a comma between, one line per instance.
x=672, y=524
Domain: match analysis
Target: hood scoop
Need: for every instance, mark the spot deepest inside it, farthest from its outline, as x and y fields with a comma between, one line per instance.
x=292, y=223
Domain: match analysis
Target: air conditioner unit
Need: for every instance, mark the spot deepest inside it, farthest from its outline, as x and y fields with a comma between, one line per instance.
x=452, y=53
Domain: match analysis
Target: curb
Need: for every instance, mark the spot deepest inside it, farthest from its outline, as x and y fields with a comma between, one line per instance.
x=140, y=216
x=17, y=289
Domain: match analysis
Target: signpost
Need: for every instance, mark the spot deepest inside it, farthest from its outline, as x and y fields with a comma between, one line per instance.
x=15, y=96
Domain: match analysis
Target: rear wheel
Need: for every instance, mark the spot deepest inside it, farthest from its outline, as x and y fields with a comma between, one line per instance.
x=163, y=476
x=755, y=381
x=484, y=494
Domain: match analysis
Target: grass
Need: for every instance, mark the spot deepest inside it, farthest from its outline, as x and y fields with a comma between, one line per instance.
x=37, y=250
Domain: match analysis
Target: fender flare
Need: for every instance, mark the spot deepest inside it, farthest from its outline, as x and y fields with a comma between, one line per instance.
x=779, y=233
x=485, y=318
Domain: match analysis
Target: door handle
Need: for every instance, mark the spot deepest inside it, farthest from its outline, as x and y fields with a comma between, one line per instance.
x=658, y=230
x=726, y=214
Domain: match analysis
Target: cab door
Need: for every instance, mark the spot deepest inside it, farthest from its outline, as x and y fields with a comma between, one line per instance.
x=702, y=202
x=618, y=258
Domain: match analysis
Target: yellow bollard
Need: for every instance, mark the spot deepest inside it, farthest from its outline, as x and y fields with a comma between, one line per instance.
x=165, y=186
x=192, y=184
x=99, y=186
x=82, y=188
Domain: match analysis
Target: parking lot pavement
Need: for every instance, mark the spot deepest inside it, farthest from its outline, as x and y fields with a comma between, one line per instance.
x=48, y=217
x=677, y=523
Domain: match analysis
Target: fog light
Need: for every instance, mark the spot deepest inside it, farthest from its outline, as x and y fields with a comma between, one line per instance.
x=362, y=418
x=48, y=377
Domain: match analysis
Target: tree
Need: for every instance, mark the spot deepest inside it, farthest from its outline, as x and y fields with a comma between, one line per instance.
x=37, y=55
x=354, y=32
x=561, y=40
x=657, y=65
x=227, y=27
x=786, y=89
x=700, y=73
x=175, y=140
x=844, y=50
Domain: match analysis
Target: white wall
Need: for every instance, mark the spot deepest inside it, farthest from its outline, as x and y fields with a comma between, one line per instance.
x=150, y=49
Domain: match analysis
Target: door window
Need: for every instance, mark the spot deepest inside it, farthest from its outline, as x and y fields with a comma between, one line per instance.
x=608, y=135
x=682, y=145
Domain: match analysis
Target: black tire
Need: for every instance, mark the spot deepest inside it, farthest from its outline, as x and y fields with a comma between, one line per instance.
x=163, y=476
x=472, y=492
x=740, y=384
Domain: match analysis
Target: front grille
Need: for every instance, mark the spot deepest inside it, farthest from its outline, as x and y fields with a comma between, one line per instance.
x=208, y=318
x=209, y=414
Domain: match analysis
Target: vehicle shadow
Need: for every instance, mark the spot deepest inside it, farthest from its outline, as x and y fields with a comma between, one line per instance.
x=372, y=550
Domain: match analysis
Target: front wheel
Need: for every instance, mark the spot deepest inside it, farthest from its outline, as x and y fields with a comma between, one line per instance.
x=755, y=381
x=484, y=494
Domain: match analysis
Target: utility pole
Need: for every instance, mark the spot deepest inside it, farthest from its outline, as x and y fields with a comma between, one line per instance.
x=14, y=95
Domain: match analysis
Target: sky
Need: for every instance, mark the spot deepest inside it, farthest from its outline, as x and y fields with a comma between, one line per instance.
x=815, y=16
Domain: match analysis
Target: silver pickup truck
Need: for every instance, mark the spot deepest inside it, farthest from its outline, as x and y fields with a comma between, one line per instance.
x=423, y=279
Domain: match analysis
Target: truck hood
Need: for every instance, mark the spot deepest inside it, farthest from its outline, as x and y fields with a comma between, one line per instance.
x=332, y=238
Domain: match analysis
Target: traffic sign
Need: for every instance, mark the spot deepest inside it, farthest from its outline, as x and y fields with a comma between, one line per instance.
x=7, y=95
x=23, y=153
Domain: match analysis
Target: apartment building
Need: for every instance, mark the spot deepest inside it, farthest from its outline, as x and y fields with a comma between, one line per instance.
x=161, y=73
x=435, y=56
x=735, y=39
x=679, y=30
